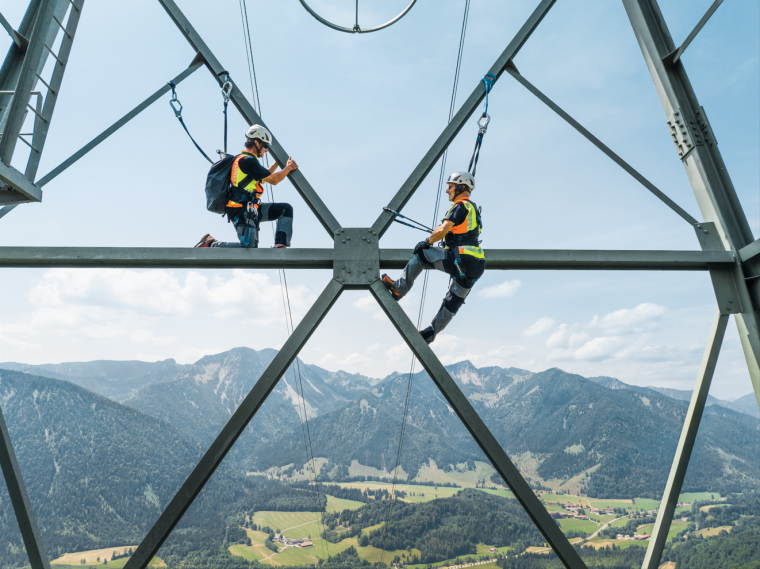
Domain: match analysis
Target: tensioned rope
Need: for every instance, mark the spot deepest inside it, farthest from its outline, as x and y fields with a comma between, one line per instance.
x=425, y=281
x=284, y=286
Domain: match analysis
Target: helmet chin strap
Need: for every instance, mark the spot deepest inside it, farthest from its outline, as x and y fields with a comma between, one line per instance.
x=460, y=192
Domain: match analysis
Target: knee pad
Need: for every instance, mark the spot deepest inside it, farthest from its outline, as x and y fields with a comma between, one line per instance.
x=421, y=256
x=287, y=210
x=452, y=302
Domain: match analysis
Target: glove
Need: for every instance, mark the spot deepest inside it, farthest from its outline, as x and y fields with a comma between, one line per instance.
x=421, y=245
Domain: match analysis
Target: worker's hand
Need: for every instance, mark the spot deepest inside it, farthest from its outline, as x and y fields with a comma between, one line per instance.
x=291, y=165
x=421, y=245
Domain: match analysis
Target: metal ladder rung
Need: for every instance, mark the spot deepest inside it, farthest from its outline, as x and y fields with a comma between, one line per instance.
x=54, y=55
x=60, y=25
x=29, y=144
x=45, y=84
x=74, y=5
x=36, y=113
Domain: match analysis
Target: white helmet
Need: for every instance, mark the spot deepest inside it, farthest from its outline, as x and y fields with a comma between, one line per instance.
x=259, y=132
x=462, y=178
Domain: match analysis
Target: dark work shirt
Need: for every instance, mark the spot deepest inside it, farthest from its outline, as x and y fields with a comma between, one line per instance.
x=457, y=214
x=251, y=166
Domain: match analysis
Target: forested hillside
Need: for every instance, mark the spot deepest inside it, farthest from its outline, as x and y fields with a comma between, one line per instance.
x=624, y=440
x=612, y=439
x=201, y=399
x=98, y=473
x=117, y=380
x=444, y=528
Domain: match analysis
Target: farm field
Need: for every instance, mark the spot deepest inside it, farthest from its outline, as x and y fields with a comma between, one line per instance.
x=586, y=526
x=339, y=504
x=710, y=532
x=691, y=497
x=675, y=527
x=91, y=558
x=468, y=479
x=254, y=552
x=620, y=544
x=292, y=524
x=430, y=492
x=710, y=507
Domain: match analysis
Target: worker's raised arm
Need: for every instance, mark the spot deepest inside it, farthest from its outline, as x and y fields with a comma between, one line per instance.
x=276, y=177
x=441, y=231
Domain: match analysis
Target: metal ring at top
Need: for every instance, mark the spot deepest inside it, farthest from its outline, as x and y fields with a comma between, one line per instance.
x=356, y=29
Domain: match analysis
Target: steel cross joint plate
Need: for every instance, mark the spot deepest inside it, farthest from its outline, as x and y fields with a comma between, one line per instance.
x=726, y=291
x=356, y=260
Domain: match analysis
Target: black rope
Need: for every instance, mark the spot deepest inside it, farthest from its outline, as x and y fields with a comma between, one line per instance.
x=178, y=114
x=284, y=286
x=425, y=282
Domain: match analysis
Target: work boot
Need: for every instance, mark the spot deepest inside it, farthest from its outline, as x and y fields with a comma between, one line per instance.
x=206, y=241
x=280, y=246
x=428, y=334
x=388, y=282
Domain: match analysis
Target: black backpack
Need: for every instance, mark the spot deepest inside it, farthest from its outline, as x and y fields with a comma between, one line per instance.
x=218, y=184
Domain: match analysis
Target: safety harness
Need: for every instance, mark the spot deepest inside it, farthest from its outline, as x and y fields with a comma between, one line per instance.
x=463, y=238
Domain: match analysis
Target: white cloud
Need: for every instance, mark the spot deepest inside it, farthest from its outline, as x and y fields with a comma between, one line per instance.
x=541, y=325
x=101, y=305
x=558, y=338
x=601, y=348
x=398, y=353
x=507, y=288
x=366, y=303
x=627, y=320
x=334, y=363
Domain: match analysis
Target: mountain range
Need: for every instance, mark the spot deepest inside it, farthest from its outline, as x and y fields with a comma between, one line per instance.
x=99, y=473
x=597, y=435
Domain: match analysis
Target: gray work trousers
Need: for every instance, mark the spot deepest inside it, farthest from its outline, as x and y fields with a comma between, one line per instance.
x=438, y=259
x=248, y=223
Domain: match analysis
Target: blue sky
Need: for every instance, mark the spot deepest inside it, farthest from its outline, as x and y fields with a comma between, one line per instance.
x=357, y=113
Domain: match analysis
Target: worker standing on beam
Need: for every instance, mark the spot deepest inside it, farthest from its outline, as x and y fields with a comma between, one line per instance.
x=461, y=258
x=244, y=209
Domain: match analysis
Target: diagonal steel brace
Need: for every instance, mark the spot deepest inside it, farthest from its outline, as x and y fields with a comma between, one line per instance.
x=213, y=457
x=477, y=428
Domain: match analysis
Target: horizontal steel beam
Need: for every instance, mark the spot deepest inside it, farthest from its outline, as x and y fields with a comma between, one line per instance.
x=165, y=258
x=559, y=259
x=25, y=191
x=223, y=258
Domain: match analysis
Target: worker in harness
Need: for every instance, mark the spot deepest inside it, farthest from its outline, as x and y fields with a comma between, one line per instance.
x=461, y=258
x=244, y=209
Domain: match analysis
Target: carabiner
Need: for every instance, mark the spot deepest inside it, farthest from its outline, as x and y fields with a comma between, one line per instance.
x=483, y=122
x=227, y=90
x=177, y=112
x=227, y=86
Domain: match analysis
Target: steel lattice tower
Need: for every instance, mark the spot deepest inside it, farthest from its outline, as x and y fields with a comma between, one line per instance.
x=727, y=249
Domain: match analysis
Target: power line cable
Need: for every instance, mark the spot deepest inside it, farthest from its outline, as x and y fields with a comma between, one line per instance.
x=284, y=283
x=402, y=432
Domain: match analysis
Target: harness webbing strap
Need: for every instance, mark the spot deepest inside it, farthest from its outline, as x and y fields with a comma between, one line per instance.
x=178, y=114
